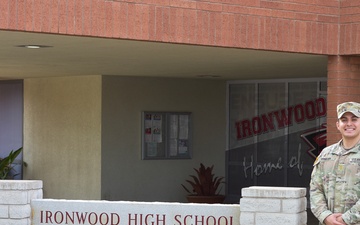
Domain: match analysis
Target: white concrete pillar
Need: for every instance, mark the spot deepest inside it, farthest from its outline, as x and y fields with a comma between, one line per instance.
x=15, y=198
x=273, y=206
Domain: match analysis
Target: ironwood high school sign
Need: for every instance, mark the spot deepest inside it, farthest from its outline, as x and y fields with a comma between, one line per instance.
x=72, y=212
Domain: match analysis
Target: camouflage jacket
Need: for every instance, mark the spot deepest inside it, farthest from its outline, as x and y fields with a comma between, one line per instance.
x=335, y=184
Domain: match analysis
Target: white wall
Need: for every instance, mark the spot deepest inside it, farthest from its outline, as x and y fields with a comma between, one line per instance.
x=62, y=135
x=124, y=175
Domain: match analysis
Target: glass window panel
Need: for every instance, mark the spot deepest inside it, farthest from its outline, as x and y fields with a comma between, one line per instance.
x=281, y=129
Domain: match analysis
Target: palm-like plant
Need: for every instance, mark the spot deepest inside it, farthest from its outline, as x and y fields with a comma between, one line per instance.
x=5, y=164
x=205, y=183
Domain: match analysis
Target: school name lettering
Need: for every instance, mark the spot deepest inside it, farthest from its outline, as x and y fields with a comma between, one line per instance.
x=104, y=218
x=60, y=217
x=280, y=119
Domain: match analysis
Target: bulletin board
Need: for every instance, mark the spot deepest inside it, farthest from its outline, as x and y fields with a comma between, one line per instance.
x=166, y=135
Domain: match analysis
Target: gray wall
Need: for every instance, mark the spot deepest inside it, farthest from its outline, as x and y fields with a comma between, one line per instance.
x=124, y=176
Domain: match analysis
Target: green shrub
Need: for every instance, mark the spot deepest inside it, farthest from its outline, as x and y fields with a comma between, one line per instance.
x=5, y=164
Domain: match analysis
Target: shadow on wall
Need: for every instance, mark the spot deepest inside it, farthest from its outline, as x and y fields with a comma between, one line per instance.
x=312, y=220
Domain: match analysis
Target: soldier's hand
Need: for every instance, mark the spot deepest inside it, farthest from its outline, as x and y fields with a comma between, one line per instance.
x=334, y=219
x=340, y=219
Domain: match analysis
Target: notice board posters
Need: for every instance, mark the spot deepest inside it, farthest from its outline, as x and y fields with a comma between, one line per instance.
x=166, y=135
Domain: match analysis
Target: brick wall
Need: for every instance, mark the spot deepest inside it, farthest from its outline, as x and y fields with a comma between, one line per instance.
x=15, y=197
x=343, y=86
x=349, y=27
x=287, y=25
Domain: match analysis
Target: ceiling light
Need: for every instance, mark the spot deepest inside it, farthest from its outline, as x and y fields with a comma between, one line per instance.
x=34, y=46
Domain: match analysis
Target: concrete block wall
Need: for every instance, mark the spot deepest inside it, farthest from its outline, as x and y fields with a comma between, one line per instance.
x=15, y=198
x=273, y=206
x=258, y=206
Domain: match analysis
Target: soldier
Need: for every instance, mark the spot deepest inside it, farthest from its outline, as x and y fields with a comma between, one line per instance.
x=335, y=180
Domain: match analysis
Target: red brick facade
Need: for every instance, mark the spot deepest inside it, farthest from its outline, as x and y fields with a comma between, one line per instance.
x=294, y=25
x=328, y=27
x=343, y=85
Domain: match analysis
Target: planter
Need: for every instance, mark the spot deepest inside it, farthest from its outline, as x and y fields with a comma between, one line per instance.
x=206, y=199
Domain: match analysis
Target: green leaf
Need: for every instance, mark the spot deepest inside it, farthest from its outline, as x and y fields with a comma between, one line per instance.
x=5, y=163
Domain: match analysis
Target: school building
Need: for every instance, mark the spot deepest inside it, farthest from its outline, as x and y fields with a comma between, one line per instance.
x=120, y=100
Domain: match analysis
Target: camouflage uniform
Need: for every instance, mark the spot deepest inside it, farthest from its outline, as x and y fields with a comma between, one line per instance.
x=335, y=184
